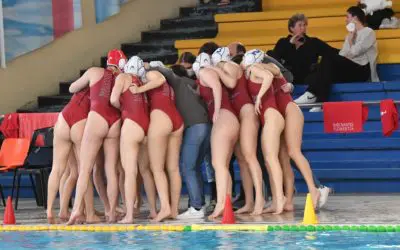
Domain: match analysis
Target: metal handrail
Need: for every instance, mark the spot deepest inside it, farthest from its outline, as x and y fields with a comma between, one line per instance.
x=319, y=104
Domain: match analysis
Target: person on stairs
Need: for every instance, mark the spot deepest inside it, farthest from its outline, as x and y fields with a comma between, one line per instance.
x=356, y=61
x=299, y=52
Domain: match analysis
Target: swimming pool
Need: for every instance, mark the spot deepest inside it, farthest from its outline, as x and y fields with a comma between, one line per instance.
x=198, y=240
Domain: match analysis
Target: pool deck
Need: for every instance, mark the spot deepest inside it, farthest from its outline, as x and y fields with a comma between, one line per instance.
x=351, y=209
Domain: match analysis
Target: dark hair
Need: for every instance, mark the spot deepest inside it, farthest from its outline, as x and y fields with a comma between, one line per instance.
x=296, y=18
x=208, y=48
x=179, y=70
x=240, y=49
x=187, y=57
x=356, y=11
x=238, y=58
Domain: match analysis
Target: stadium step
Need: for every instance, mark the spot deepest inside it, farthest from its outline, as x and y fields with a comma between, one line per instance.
x=134, y=48
x=351, y=144
x=53, y=100
x=64, y=88
x=213, y=8
x=188, y=22
x=182, y=33
x=294, y=5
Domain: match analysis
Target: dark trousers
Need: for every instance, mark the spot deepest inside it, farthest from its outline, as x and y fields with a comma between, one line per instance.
x=335, y=69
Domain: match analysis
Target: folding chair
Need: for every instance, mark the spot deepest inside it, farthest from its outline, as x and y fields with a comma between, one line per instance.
x=13, y=154
x=38, y=162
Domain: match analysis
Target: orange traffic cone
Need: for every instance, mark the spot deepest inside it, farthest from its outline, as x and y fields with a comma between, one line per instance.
x=228, y=216
x=9, y=216
x=310, y=218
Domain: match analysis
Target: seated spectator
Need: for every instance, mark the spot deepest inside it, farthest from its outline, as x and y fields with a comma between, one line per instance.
x=379, y=14
x=186, y=60
x=298, y=52
x=237, y=50
x=208, y=48
x=356, y=61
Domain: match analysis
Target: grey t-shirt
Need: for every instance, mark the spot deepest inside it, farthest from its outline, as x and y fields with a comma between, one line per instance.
x=189, y=104
x=285, y=72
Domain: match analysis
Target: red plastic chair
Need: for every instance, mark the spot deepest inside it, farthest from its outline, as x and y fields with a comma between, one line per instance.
x=13, y=154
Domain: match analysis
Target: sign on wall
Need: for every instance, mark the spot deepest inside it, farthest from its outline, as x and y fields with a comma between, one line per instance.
x=31, y=24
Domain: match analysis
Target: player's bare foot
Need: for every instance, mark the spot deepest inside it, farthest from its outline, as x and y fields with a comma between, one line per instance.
x=153, y=214
x=279, y=205
x=289, y=207
x=93, y=219
x=162, y=215
x=270, y=209
x=51, y=219
x=247, y=208
x=219, y=209
x=126, y=220
x=64, y=215
x=258, y=208
x=75, y=218
x=315, y=195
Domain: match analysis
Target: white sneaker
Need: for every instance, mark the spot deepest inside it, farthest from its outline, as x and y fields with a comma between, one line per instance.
x=306, y=98
x=316, y=109
x=324, y=196
x=192, y=213
x=392, y=23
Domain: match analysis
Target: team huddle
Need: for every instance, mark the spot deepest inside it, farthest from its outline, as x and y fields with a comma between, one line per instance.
x=125, y=125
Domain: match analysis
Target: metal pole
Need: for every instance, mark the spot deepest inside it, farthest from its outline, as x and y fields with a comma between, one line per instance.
x=2, y=45
x=319, y=104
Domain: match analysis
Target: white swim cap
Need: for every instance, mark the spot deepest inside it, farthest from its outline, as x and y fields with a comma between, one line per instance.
x=253, y=56
x=221, y=55
x=155, y=64
x=135, y=66
x=202, y=60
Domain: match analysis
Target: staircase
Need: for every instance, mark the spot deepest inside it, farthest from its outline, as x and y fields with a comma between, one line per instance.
x=192, y=23
x=361, y=162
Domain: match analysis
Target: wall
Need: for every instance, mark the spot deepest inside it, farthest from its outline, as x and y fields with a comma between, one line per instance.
x=39, y=72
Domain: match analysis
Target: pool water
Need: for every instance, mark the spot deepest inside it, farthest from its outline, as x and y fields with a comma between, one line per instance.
x=199, y=240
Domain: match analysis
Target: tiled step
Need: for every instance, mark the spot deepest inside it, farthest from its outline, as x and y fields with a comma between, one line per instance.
x=188, y=22
x=53, y=100
x=64, y=88
x=351, y=144
x=213, y=8
x=46, y=109
x=134, y=48
x=181, y=33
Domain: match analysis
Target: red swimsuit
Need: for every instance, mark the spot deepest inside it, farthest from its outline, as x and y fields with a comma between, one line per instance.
x=78, y=107
x=100, y=94
x=207, y=94
x=163, y=98
x=267, y=101
x=135, y=106
x=282, y=98
x=240, y=95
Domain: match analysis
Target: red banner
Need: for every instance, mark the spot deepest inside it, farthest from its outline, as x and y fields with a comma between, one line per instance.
x=344, y=117
x=63, y=17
